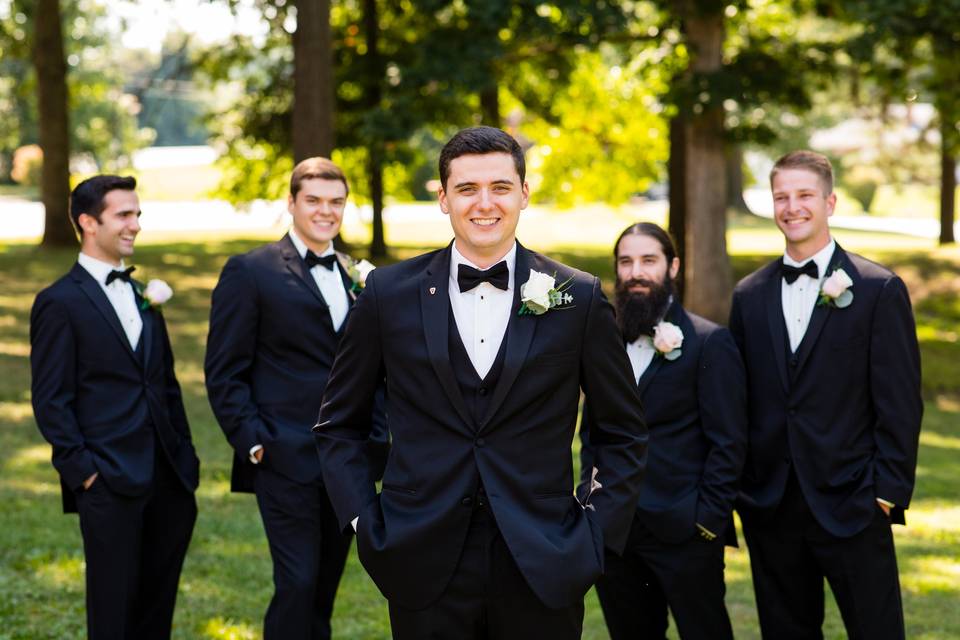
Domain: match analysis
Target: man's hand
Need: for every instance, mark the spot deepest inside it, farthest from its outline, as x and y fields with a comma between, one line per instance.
x=89, y=481
x=258, y=454
x=885, y=507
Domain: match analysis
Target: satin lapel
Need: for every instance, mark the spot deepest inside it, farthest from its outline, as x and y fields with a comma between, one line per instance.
x=147, y=316
x=297, y=266
x=822, y=313
x=674, y=315
x=773, y=300
x=344, y=261
x=435, y=310
x=92, y=289
x=519, y=335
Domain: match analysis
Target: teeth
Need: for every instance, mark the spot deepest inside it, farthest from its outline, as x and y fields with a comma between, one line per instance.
x=484, y=222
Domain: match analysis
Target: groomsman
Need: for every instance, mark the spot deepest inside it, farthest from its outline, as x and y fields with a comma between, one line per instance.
x=277, y=316
x=830, y=347
x=106, y=398
x=486, y=346
x=692, y=382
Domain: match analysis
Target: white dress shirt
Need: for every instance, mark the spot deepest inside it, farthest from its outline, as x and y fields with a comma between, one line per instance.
x=641, y=353
x=330, y=282
x=482, y=313
x=800, y=297
x=119, y=293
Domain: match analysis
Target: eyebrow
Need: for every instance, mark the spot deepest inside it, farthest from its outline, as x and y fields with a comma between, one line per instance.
x=504, y=181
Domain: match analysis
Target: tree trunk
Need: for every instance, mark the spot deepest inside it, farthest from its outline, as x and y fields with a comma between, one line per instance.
x=490, y=103
x=948, y=184
x=735, y=199
x=676, y=176
x=378, y=244
x=313, y=103
x=51, y=68
x=708, y=276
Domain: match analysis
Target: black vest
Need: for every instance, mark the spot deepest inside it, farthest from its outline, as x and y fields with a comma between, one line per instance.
x=476, y=392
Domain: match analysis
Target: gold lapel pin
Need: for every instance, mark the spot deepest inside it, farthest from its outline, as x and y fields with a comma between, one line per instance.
x=433, y=290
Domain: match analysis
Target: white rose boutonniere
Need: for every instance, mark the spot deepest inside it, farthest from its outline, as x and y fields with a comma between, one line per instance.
x=835, y=290
x=667, y=340
x=156, y=293
x=540, y=293
x=358, y=272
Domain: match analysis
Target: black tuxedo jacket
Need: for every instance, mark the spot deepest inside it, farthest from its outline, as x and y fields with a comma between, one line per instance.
x=696, y=410
x=269, y=352
x=844, y=410
x=410, y=535
x=102, y=406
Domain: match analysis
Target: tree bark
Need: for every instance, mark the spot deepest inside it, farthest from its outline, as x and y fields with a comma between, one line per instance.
x=948, y=184
x=51, y=67
x=676, y=172
x=708, y=276
x=378, y=244
x=490, y=104
x=735, y=199
x=313, y=103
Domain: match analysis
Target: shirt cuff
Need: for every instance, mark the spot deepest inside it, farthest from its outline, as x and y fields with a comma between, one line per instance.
x=886, y=503
x=253, y=453
x=353, y=523
x=705, y=533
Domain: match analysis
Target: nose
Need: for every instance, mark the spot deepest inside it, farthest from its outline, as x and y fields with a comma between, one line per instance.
x=135, y=223
x=486, y=203
x=636, y=271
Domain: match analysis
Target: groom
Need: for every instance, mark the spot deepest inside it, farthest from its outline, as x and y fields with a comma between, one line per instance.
x=477, y=533
x=830, y=347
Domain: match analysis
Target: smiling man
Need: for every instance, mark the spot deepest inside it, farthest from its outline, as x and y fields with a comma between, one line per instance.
x=833, y=370
x=277, y=316
x=106, y=398
x=477, y=533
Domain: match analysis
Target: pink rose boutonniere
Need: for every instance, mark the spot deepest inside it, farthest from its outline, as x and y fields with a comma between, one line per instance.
x=156, y=293
x=835, y=290
x=667, y=340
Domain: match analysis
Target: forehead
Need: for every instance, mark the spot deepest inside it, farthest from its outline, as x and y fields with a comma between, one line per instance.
x=796, y=180
x=118, y=200
x=482, y=168
x=322, y=188
x=637, y=246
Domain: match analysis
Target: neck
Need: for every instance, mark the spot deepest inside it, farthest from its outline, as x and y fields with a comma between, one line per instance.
x=804, y=250
x=317, y=247
x=102, y=257
x=488, y=258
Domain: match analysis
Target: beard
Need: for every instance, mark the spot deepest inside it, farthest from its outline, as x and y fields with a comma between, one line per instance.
x=638, y=313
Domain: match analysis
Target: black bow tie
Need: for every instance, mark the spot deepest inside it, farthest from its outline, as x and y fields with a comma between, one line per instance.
x=117, y=274
x=790, y=274
x=498, y=275
x=326, y=261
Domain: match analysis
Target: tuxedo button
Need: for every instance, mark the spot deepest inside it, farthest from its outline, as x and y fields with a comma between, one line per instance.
x=483, y=391
x=468, y=501
x=479, y=442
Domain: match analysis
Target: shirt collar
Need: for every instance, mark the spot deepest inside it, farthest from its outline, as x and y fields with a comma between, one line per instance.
x=98, y=269
x=301, y=248
x=456, y=259
x=822, y=258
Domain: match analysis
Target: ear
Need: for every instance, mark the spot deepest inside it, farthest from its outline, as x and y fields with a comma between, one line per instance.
x=674, y=268
x=831, y=203
x=290, y=201
x=525, y=190
x=88, y=223
x=442, y=199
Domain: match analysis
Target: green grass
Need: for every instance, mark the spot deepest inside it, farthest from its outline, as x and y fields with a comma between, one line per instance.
x=226, y=582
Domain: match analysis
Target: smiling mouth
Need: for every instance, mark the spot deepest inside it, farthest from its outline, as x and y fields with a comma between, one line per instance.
x=485, y=222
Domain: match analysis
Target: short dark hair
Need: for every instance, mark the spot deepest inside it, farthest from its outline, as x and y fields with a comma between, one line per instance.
x=480, y=141
x=88, y=196
x=652, y=230
x=812, y=161
x=315, y=168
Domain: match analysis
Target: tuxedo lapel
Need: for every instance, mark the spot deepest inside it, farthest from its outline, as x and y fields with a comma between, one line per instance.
x=675, y=315
x=821, y=312
x=344, y=261
x=435, y=310
x=773, y=301
x=519, y=335
x=146, y=334
x=297, y=267
x=91, y=288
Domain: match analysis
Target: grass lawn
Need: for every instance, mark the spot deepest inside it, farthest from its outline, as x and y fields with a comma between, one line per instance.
x=226, y=582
